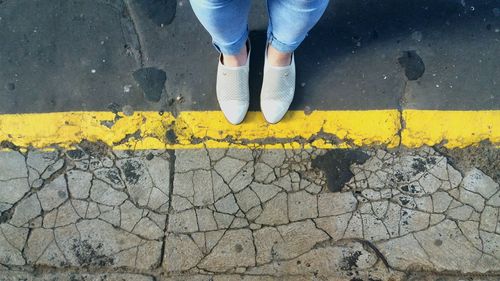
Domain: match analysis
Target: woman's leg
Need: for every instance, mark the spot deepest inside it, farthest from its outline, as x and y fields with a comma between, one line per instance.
x=227, y=23
x=289, y=22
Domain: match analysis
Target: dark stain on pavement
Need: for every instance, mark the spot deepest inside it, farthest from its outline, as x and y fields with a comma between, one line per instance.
x=171, y=136
x=485, y=157
x=351, y=261
x=335, y=164
x=398, y=177
x=150, y=156
x=413, y=65
x=114, y=107
x=404, y=200
x=11, y=86
x=97, y=148
x=62, y=194
x=418, y=166
x=132, y=172
x=151, y=81
x=87, y=254
x=6, y=215
x=410, y=188
x=238, y=248
x=113, y=176
x=75, y=154
x=161, y=12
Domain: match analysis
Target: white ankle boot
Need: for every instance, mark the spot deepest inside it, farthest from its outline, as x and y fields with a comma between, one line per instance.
x=278, y=88
x=233, y=92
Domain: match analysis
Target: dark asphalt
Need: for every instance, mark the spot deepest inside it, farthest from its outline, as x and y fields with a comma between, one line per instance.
x=69, y=55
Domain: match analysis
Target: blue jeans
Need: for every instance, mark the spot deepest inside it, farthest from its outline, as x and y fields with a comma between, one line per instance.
x=227, y=22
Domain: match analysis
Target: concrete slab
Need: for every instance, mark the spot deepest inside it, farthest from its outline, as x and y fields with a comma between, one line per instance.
x=215, y=213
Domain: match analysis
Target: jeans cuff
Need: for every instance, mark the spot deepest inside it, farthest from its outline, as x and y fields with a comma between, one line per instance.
x=233, y=48
x=280, y=46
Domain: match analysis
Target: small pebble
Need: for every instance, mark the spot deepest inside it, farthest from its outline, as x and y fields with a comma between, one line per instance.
x=93, y=71
x=37, y=183
x=61, y=194
x=127, y=88
x=307, y=110
x=128, y=110
x=107, y=162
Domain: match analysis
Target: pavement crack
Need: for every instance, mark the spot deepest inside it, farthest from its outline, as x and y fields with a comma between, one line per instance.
x=377, y=252
x=128, y=137
x=400, y=107
x=171, y=159
x=130, y=31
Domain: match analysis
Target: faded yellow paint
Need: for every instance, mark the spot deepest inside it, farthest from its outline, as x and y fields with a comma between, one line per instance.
x=321, y=128
x=64, y=129
x=452, y=128
x=196, y=129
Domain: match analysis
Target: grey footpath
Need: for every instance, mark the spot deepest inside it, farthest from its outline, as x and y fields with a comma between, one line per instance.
x=249, y=214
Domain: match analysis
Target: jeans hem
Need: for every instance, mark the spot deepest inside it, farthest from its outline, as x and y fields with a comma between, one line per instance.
x=233, y=48
x=280, y=46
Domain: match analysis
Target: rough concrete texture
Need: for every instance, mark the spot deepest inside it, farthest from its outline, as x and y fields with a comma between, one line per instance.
x=63, y=55
x=243, y=214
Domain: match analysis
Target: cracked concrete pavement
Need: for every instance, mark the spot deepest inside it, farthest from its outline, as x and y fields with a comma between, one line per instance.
x=246, y=214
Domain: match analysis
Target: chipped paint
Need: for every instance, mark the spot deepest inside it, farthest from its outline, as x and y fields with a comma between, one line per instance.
x=195, y=129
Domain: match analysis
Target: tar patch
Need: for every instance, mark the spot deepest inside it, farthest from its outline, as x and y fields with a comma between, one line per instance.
x=161, y=12
x=335, y=164
x=151, y=81
x=413, y=65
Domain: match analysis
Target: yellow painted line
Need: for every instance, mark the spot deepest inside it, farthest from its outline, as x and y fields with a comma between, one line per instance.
x=452, y=128
x=320, y=128
x=196, y=129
